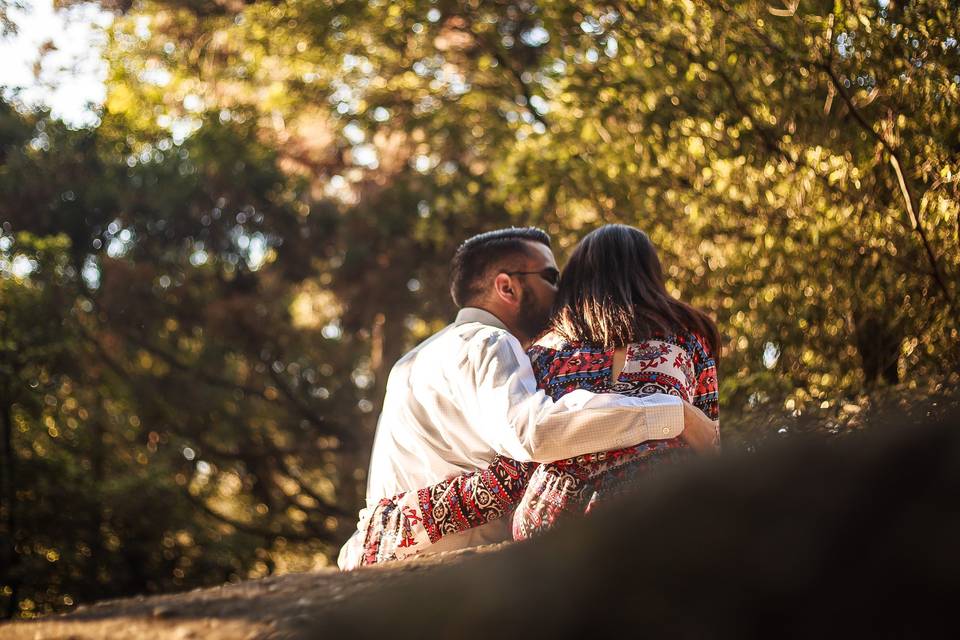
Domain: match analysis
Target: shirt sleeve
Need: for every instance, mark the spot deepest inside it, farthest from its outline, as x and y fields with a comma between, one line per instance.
x=524, y=423
x=410, y=522
x=705, y=397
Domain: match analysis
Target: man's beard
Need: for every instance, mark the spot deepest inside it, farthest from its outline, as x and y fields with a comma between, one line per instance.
x=533, y=316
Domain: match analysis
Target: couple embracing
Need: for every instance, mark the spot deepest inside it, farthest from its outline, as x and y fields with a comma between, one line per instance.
x=550, y=395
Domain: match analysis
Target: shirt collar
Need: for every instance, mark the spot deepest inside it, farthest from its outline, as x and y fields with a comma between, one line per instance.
x=473, y=314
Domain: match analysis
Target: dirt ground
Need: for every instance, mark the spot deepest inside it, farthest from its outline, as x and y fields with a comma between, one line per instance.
x=269, y=609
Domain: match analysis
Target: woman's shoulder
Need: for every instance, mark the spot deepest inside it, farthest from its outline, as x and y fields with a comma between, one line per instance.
x=555, y=359
x=549, y=341
x=557, y=348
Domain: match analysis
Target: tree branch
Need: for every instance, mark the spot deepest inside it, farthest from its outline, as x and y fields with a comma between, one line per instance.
x=905, y=190
x=247, y=527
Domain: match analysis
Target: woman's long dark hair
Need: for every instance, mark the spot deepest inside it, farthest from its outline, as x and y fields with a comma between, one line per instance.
x=612, y=293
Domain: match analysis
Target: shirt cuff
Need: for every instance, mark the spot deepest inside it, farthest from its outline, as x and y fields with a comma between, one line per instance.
x=662, y=416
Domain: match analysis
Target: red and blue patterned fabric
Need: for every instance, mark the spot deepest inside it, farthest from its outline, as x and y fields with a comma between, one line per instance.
x=679, y=365
x=541, y=495
x=407, y=523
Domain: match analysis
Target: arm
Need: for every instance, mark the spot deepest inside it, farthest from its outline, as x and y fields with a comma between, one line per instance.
x=524, y=423
x=702, y=417
x=407, y=523
x=701, y=433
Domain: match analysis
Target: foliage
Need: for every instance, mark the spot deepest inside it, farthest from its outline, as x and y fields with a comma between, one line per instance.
x=259, y=226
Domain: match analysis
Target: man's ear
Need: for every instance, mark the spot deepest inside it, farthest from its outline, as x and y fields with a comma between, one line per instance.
x=505, y=290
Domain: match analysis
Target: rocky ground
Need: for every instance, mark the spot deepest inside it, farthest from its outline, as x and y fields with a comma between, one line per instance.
x=855, y=538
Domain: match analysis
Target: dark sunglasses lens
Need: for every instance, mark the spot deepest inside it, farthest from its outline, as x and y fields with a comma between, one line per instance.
x=552, y=276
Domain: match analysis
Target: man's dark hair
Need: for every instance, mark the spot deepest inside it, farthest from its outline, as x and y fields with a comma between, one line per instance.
x=478, y=255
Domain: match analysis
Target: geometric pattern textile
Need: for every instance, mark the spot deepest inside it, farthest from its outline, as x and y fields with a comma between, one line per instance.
x=540, y=496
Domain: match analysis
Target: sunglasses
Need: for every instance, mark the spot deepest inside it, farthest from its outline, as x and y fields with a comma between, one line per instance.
x=550, y=275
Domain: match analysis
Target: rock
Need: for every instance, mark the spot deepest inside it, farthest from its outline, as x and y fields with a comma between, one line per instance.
x=854, y=538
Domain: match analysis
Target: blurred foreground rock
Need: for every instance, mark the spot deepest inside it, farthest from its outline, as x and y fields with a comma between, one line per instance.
x=808, y=539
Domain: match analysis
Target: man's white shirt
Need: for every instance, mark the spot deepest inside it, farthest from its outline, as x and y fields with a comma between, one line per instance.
x=468, y=393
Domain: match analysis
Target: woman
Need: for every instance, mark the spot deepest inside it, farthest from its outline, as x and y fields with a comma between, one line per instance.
x=614, y=329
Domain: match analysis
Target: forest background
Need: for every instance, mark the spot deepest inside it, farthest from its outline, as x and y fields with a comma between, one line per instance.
x=201, y=292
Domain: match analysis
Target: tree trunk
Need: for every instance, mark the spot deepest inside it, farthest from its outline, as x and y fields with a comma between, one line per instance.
x=879, y=348
x=8, y=553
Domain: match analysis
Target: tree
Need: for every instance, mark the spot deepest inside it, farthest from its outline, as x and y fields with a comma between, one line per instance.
x=261, y=222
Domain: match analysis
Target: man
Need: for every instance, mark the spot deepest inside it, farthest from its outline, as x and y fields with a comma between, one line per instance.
x=468, y=393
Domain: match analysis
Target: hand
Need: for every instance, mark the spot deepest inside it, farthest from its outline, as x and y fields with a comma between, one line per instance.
x=699, y=431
